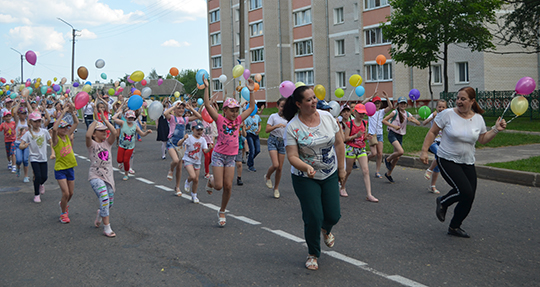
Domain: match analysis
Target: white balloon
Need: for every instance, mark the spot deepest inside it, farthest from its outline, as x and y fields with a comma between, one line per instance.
x=123, y=85
x=146, y=92
x=223, y=78
x=155, y=110
x=100, y=63
x=335, y=108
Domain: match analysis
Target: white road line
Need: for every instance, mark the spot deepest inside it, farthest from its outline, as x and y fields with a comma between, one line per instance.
x=211, y=206
x=285, y=234
x=81, y=157
x=405, y=281
x=144, y=180
x=245, y=219
x=164, y=188
x=344, y=258
x=115, y=169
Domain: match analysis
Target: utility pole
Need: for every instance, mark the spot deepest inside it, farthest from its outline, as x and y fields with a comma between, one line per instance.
x=22, y=61
x=73, y=30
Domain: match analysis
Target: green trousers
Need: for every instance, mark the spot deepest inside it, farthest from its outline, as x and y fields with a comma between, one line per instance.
x=319, y=200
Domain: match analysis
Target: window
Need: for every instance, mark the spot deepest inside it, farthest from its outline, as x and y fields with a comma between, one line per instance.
x=302, y=17
x=255, y=4
x=237, y=15
x=340, y=47
x=257, y=55
x=338, y=15
x=356, y=12
x=214, y=16
x=436, y=74
x=462, y=72
x=217, y=85
x=340, y=80
x=237, y=39
x=256, y=29
x=370, y=4
x=303, y=48
x=374, y=36
x=357, y=45
x=215, y=39
x=305, y=76
x=216, y=62
x=262, y=83
x=376, y=72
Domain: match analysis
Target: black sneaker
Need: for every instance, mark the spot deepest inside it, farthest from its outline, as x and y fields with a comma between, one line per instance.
x=388, y=164
x=354, y=166
x=389, y=177
x=239, y=181
x=458, y=232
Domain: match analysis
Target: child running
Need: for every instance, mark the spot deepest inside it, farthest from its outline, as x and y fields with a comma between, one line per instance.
x=355, y=135
x=376, y=143
x=8, y=127
x=65, y=158
x=21, y=155
x=195, y=146
x=36, y=141
x=226, y=149
x=276, y=148
x=101, y=171
x=433, y=171
x=397, y=128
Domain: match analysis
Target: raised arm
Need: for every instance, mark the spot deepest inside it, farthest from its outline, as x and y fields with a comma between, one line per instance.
x=390, y=104
x=196, y=115
x=207, y=104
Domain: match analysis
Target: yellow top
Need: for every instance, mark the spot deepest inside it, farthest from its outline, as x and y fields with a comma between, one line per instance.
x=65, y=158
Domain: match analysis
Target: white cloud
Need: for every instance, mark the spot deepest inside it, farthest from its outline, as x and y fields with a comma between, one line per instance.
x=174, y=43
x=45, y=38
x=7, y=19
x=86, y=34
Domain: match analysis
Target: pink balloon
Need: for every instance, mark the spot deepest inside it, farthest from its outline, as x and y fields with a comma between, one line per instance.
x=286, y=88
x=67, y=91
x=130, y=80
x=247, y=74
x=38, y=98
x=370, y=108
x=81, y=99
x=143, y=82
x=525, y=86
x=120, y=89
x=159, y=82
x=31, y=57
x=27, y=84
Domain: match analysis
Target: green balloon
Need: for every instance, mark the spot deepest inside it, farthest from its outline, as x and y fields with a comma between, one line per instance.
x=339, y=93
x=111, y=92
x=424, y=112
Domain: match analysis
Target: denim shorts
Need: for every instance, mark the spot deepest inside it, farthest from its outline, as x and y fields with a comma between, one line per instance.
x=68, y=174
x=380, y=138
x=392, y=137
x=275, y=143
x=223, y=160
x=354, y=152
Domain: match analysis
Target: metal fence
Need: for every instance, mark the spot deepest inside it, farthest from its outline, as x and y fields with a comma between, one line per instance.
x=494, y=102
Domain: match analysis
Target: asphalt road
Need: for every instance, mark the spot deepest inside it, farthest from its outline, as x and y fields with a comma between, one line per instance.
x=164, y=240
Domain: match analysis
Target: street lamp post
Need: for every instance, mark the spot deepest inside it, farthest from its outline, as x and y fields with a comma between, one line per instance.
x=22, y=61
x=73, y=30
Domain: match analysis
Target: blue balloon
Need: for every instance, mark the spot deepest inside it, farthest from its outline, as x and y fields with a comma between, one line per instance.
x=201, y=74
x=200, y=102
x=76, y=84
x=88, y=83
x=135, y=102
x=8, y=92
x=360, y=91
x=245, y=93
x=254, y=111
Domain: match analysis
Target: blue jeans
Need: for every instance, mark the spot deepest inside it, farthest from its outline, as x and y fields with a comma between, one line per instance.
x=254, y=147
x=433, y=148
x=21, y=155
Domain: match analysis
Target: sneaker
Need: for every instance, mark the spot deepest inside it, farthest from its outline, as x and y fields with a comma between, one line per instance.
x=276, y=193
x=131, y=171
x=9, y=167
x=343, y=192
x=268, y=182
x=187, y=186
x=140, y=140
x=163, y=157
x=37, y=199
x=14, y=170
x=207, y=176
x=121, y=167
x=252, y=168
x=387, y=164
x=42, y=189
x=239, y=181
x=64, y=218
x=26, y=179
x=354, y=166
x=389, y=177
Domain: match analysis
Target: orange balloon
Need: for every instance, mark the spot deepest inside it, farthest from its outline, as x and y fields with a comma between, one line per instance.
x=137, y=92
x=381, y=59
x=173, y=71
x=82, y=72
x=256, y=88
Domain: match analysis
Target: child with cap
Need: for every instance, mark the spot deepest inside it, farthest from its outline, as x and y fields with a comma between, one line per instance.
x=195, y=146
x=21, y=155
x=36, y=141
x=9, y=126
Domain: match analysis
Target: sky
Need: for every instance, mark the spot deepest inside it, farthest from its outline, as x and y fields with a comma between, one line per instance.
x=127, y=35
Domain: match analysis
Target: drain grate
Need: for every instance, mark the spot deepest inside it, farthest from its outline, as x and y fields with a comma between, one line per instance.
x=9, y=189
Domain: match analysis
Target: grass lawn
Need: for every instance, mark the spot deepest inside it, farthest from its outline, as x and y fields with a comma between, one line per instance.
x=531, y=164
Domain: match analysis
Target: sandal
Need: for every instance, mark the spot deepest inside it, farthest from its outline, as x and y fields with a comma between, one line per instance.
x=433, y=189
x=311, y=263
x=111, y=234
x=371, y=198
x=343, y=192
x=178, y=191
x=378, y=175
x=329, y=238
x=97, y=222
x=170, y=176
x=125, y=177
x=427, y=174
x=222, y=220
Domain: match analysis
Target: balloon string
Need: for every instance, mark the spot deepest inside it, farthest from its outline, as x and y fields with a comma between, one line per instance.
x=511, y=119
x=507, y=106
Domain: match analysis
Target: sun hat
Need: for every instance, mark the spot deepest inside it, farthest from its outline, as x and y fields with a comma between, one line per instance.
x=376, y=98
x=130, y=114
x=323, y=105
x=401, y=100
x=100, y=127
x=361, y=109
x=35, y=116
x=231, y=103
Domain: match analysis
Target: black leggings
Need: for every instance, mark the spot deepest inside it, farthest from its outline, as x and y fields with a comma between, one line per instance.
x=40, y=174
x=462, y=179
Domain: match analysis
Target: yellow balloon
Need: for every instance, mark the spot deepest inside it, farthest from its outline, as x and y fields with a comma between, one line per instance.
x=36, y=85
x=137, y=76
x=87, y=88
x=237, y=71
x=176, y=94
x=48, y=82
x=55, y=79
x=38, y=80
x=22, y=87
x=355, y=80
x=299, y=84
x=320, y=92
x=519, y=105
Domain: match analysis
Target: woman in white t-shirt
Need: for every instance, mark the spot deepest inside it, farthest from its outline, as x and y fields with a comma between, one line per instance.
x=276, y=147
x=314, y=145
x=462, y=127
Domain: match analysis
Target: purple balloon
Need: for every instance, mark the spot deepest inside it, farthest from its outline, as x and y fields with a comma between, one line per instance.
x=286, y=88
x=159, y=82
x=414, y=94
x=133, y=89
x=68, y=90
x=130, y=80
x=370, y=108
x=525, y=86
x=31, y=57
x=56, y=88
x=247, y=74
x=76, y=84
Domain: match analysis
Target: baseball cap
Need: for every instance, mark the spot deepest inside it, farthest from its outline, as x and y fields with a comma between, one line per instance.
x=376, y=98
x=323, y=105
x=100, y=127
x=130, y=114
x=361, y=109
x=63, y=124
x=35, y=116
x=8, y=100
x=197, y=125
x=21, y=110
x=6, y=113
x=401, y=100
x=231, y=103
x=345, y=106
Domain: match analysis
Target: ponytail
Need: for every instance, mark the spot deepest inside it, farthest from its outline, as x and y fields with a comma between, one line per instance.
x=290, y=108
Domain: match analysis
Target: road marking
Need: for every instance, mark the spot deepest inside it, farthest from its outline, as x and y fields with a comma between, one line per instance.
x=144, y=180
x=245, y=219
x=81, y=157
x=405, y=281
x=164, y=188
x=345, y=258
x=285, y=234
x=211, y=206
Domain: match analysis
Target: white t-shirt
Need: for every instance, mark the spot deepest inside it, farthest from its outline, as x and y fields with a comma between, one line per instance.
x=275, y=119
x=439, y=136
x=38, y=145
x=315, y=144
x=194, y=149
x=375, y=123
x=460, y=136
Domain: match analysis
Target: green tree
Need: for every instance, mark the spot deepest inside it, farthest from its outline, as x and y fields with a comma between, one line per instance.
x=422, y=30
x=153, y=75
x=187, y=78
x=521, y=26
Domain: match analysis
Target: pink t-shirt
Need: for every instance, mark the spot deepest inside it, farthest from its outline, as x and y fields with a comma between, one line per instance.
x=227, y=139
x=173, y=121
x=101, y=162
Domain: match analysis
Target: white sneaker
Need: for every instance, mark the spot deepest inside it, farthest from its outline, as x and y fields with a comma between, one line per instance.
x=131, y=171
x=268, y=182
x=26, y=179
x=276, y=193
x=14, y=169
x=9, y=167
x=187, y=186
x=121, y=167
